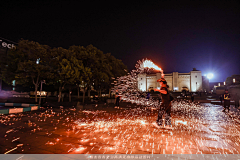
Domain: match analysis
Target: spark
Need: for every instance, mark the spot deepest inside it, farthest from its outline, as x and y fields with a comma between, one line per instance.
x=16, y=139
x=150, y=64
x=11, y=150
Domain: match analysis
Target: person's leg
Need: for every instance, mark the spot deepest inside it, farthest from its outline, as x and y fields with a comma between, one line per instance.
x=159, y=120
x=228, y=105
x=168, y=119
x=168, y=116
x=224, y=105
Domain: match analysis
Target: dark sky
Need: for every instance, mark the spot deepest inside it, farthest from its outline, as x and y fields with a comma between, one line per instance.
x=176, y=36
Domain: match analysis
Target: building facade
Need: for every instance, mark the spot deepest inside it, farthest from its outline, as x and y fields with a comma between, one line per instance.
x=192, y=81
x=5, y=45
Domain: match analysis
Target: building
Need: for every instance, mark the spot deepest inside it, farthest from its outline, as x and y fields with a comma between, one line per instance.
x=192, y=81
x=232, y=84
x=5, y=45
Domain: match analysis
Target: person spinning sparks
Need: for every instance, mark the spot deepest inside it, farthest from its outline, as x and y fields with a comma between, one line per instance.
x=165, y=106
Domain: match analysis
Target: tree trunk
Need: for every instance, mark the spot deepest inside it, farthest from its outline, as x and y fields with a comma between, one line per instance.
x=89, y=95
x=70, y=98
x=36, y=88
x=60, y=94
x=109, y=93
x=78, y=88
x=83, y=94
x=63, y=94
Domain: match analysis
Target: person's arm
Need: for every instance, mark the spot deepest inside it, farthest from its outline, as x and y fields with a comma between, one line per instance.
x=161, y=91
x=157, y=89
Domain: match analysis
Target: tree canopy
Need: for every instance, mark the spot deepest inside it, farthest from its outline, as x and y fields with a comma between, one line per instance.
x=88, y=67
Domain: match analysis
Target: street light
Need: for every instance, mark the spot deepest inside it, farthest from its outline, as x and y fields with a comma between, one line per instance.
x=209, y=75
x=38, y=60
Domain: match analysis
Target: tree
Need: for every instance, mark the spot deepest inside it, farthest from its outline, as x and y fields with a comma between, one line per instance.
x=67, y=69
x=117, y=69
x=28, y=63
x=80, y=53
x=103, y=67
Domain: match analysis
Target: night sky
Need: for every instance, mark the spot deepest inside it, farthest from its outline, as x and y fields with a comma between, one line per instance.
x=175, y=36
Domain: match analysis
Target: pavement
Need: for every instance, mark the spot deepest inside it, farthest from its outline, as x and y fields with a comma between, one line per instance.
x=198, y=128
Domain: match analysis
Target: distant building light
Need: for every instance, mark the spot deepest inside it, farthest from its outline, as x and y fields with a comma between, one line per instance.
x=224, y=83
x=234, y=80
x=219, y=84
x=175, y=88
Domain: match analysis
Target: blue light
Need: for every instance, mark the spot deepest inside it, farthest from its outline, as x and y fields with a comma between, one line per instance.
x=209, y=75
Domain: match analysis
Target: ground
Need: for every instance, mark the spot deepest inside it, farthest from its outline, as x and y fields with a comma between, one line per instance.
x=105, y=129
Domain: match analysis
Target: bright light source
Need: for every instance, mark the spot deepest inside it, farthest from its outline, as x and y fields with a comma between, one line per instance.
x=234, y=80
x=209, y=75
x=37, y=62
